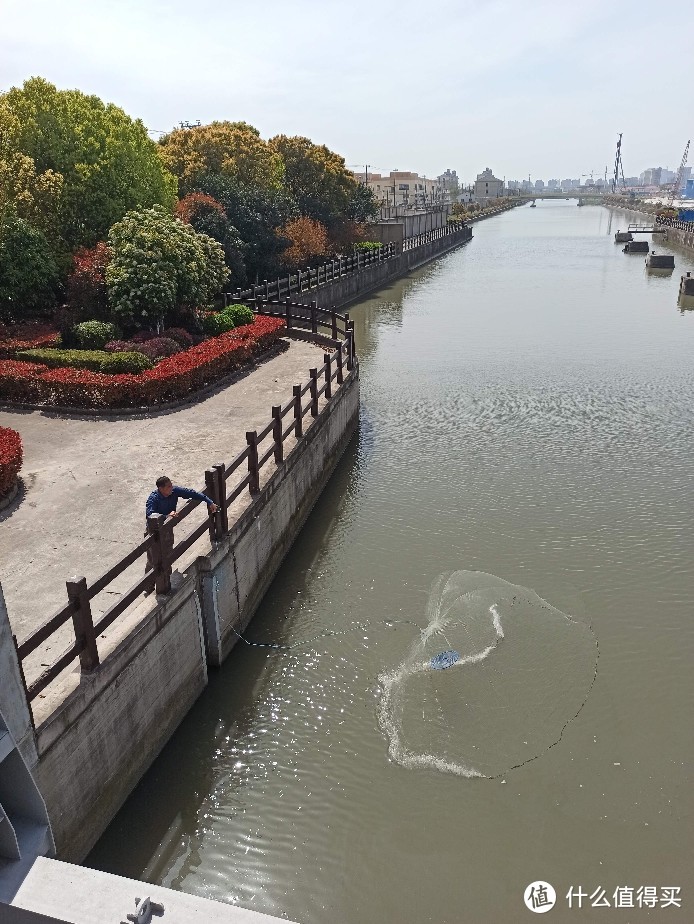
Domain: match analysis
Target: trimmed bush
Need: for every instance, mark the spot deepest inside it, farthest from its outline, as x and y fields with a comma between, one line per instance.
x=227, y=319
x=182, y=337
x=94, y=360
x=10, y=459
x=240, y=314
x=125, y=362
x=94, y=335
x=154, y=349
x=173, y=378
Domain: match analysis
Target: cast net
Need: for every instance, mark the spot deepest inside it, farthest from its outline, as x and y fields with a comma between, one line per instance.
x=491, y=682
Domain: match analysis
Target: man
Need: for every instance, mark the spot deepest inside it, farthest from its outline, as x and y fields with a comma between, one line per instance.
x=165, y=500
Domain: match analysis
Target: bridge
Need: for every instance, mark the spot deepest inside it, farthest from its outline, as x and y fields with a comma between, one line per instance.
x=564, y=194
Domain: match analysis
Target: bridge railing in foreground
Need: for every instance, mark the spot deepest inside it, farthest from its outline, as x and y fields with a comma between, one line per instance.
x=224, y=483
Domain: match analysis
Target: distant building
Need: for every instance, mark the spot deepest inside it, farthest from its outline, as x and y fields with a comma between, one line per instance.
x=403, y=187
x=539, y=185
x=652, y=176
x=487, y=186
x=566, y=184
x=450, y=181
x=512, y=185
x=689, y=189
x=552, y=184
x=527, y=185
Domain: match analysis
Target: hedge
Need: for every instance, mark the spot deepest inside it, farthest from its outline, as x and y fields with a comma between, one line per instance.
x=96, y=360
x=171, y=379
x=10, y=459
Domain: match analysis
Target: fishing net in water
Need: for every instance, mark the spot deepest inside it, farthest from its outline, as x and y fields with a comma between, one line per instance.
x=492, y=681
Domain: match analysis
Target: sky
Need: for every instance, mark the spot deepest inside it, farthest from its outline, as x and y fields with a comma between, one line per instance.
x=522, y=86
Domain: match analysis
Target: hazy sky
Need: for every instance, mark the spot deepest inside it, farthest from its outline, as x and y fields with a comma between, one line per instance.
x=533, y=87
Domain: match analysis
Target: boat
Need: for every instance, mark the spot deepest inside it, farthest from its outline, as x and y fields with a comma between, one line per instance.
x=532, y=205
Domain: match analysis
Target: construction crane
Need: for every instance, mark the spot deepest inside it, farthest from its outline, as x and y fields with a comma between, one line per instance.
x=679, y=179
x=618, y=165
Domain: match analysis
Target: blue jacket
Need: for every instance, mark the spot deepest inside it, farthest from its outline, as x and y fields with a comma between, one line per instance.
x=157, y=503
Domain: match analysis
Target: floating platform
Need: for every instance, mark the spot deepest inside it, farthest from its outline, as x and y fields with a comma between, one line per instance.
x=622, y=237
x=687, y=285
x=662, y=261
x=637, y=247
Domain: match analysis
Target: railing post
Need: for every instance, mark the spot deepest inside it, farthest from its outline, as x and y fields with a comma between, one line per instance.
x=211, y=491
x=333, y=319
x=340, y=266
x=277, y=433
x=313, y=374
x=328, y=376
x=314, y=317
x=338, y=356
x=83, y=622
x=161, y=563
x=253, y=468
x=351, y=353
x=298, y=416
x=288, y=312
x=267, y=289
x=221, y=498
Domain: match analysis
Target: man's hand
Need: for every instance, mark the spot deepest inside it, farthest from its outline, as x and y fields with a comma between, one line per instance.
x=172, y=514
x=213, y=508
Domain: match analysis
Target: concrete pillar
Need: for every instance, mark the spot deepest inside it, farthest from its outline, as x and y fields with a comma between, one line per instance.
x=13, y=703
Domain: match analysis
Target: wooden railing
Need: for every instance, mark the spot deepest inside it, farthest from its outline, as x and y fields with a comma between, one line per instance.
x=676, y=223
x=224, y=483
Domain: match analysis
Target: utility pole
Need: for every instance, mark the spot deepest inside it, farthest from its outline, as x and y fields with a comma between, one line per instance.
x=366, y=174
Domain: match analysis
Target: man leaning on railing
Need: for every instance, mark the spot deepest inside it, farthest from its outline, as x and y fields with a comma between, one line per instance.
x=165, y=500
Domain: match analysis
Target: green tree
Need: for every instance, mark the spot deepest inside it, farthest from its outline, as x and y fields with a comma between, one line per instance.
x=107, y=163
x=161, y=266
x=230, y=149
x=207, y=216
x=28, y=272
x=258, y=214
x=318, y=181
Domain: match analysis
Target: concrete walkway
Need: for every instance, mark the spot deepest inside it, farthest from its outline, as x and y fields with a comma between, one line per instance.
x=87, y=479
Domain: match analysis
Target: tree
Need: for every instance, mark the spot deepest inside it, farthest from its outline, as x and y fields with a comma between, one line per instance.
x=107, y=163
x=35, y=198
x=318, y=180
x=28, y=271
x=258, y=214
x=207, y=216
x=308, y=239
x=160, y=266
x=230, y=149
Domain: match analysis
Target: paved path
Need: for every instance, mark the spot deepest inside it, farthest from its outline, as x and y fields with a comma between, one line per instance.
x=87, y=479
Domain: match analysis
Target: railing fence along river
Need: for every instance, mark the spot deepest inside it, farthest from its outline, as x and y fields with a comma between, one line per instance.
x=527, y=415
x=336, y=331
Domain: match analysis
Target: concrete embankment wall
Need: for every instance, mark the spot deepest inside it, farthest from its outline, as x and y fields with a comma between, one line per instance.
x=96, y=747
x=238, y=572
x=683, y=238
x=93, y=750
x=357, y=285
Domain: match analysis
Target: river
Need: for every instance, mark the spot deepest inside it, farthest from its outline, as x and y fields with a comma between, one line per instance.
x=528, y=410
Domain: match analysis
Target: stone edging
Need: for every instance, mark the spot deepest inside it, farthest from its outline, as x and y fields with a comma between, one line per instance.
x=280, y=346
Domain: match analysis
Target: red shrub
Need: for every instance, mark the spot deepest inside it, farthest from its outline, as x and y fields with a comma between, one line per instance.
x=174, y=377
x=26, y=337
x=86, y=284
x=10, y=458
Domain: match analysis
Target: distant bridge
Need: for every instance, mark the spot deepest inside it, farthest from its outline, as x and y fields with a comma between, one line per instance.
x=564, y=194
